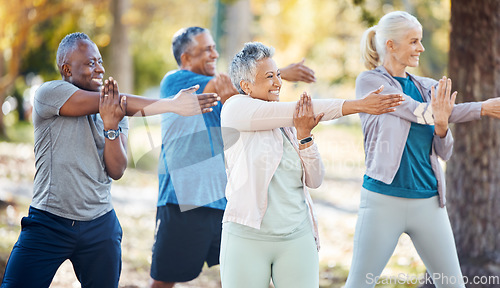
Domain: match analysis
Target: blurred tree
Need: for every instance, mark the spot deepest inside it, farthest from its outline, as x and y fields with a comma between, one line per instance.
x=120, y=63
x=17, y=19
x=326, y=33
x=152, y=24
x=473, y=173
x=29, y=35
x=232, y=28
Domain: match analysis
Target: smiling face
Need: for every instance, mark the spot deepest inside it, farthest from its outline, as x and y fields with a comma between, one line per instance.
x=201, y=58
x=83, y=66
x=267, y=83
x=405, y=52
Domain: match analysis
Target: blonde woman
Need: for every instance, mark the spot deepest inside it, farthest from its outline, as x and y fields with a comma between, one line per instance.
x=404, y=185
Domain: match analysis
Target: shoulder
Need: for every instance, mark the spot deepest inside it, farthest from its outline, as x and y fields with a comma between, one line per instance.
x=54, y=84
x=176, y=80
x=424, y=81
x=210, y=86
x=369, y=75
x=237, y=101
x=56, y=88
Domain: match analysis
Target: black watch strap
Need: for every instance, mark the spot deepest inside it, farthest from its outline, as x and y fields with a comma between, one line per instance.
x=306, y=140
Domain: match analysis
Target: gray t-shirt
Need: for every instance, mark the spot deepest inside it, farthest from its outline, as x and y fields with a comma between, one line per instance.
x=71, y=179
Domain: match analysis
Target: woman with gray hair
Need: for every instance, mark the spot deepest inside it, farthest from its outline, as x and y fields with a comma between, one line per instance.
x=404, y=185
x=269, y=227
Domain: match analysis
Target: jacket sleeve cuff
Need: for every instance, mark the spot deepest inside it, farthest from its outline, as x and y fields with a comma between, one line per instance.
x=444, y=146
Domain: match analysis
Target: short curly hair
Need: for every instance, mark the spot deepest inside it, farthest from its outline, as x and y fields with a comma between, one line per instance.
x=244, y=64
x=67, y=45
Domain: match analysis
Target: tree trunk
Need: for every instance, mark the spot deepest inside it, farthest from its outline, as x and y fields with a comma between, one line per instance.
x=473, y=173
x=120, y=59
x=237, y=25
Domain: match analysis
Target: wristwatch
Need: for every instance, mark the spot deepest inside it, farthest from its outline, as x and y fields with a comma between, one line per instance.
x=111, y=134
x=306, y=140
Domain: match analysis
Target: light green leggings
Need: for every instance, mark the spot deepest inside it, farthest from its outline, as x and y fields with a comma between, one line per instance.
x=382, y=219
x=248, y=263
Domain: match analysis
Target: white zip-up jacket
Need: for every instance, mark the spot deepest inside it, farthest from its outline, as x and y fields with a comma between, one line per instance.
x=253, y=148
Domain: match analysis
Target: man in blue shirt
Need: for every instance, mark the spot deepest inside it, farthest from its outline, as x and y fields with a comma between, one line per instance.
x=191, y=172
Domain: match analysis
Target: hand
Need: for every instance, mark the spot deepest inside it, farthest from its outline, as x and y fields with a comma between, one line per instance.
x=112, y=107
x=491, y=108
x=224, y=87
x=376, y=103
x=442, y=105
x=298, y=72
x=303, y=118
x=187, y=103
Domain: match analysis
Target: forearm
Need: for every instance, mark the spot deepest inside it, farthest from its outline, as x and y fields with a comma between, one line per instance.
x=491, y=108
x=280, y=114
x=352, y=107
x=115, y=156
x=444, y=145
x=142, y=106
x=313, y=166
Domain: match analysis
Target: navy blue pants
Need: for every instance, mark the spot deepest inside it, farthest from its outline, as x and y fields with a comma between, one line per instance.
x=47, y=240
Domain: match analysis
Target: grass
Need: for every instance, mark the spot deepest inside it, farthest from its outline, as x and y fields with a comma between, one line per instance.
x=17, y=131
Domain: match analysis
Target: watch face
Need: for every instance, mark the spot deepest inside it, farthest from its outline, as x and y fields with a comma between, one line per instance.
x=111, y=134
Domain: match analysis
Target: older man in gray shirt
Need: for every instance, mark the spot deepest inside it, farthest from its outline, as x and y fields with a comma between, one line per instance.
x=80, y=146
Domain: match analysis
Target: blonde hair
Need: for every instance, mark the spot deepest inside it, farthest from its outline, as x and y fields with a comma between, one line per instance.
x=392, y=26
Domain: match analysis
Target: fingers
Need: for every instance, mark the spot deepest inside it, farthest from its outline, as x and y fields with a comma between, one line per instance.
x=441, y=88
x=308, y=74
x=111, y=88
x=297, y=107
x=453, y=97
x=206, y=110
x=207, y=100
x=379, y=89
x=308, y=105
x=448, y=88
x=389, y=102
x=191, y=89
x=102, y=93
x=392, y=99
x=318, y=118
x=123, y=103
x=115, y=94
x=301, y=105
x=106, y=88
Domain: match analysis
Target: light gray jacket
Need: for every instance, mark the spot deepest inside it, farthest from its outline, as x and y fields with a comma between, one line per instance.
x=385, y=135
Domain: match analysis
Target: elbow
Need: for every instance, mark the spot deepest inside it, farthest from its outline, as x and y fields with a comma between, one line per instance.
x=315, y=184
x=117, y=172
x=116, y=175
x=314, y=181
x=446, y=155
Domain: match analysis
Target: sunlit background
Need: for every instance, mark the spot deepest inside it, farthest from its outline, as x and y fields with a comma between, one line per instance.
x=134, y=37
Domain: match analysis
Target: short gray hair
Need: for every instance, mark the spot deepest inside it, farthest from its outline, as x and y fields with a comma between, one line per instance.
x=183, y=39
x=244, y=64
x=67, y=45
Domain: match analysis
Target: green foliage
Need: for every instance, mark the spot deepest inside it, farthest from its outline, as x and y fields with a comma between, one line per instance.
x=434, y=17
x=326, y=33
